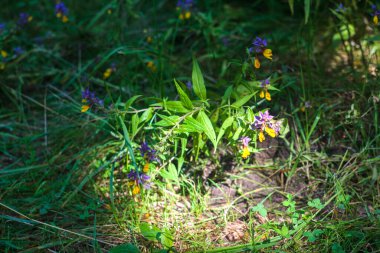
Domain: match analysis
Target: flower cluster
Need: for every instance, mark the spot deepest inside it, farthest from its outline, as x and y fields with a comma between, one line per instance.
x=184, y=6
x=109, y=71
x=61, y=12
x=138, y=179
x=260, y=48
x=89, y=100
x=264, y=123
x=151, y=66
x=24, y=19
x=264, y=89
x=375, y=14
x=245, y=141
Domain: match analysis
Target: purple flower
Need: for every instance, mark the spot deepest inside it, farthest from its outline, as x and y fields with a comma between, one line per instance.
x=24, y=19
x=307, y=104
x=265, y=83
x=185, y=4
x=189, y=85
x=225, y=41
x=340, y=8
x=2, y=27
x=139, y=178
x=147, y=152
x=376, y=11
x=61, y=9
x=245, y=140
x=90, y=98
x=261, y=120
x=18, y=51
x=259, y=45
x=276, y=126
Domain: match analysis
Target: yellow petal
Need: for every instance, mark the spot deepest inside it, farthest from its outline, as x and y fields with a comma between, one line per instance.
x=136, y=190
x=65, y=19
x=84, y=101
x=149, y=39
x=59, y=15
x=30, y=18
x=376, y=20
x=267, y=96
x=85, y=108
x=302, y=109
x=146, y=168
x=245, y=153
x=187, y=14
x=268, y=53
x=261, y=136
x=270, y=132
x=4, y=54
x=261, y=94
x=257, y=63
x=181, y=17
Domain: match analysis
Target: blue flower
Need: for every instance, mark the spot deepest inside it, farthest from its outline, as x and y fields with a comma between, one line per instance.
x=2, y=27
x=24, y=19
x=18, y=51
x=340, y=8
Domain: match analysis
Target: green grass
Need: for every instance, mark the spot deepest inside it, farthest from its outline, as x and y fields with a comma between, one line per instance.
x=63, y=174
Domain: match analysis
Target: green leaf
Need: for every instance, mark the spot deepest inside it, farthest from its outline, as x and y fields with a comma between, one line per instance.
x=167, y=120
x=207, y=127
x=316, y=203
x=260, y=208
x=291, y=5
x=198, y=81
x=239, y=103
x=170, y=174
x=135, y=124
x=307, y=10
x=183, y=96
x=124, y=248
x=166, y=239
x=130, y=101
x=147, y=115
x=226, y=124
x=194, y=125
x=227, y=94
x=149, y=231
x=173, y=106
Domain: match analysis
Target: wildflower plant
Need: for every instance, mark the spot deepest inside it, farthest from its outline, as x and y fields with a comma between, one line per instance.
x=375, y=14
x=61, y=12
x=184, y=7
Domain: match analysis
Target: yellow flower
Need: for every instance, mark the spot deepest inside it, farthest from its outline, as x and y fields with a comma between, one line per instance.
x=30, y=18
x=266, y=94
x=268, y=53
x=85, y=108
x=187, y=14
x=257, y=63
x=109, y=11
x=59, y=15
x=151, y=66
x=376, y=20
x=181, y=17
x=107, y=73
x=261, y=136
x=270, y=132
x=146, y=168
x=136, y=190
x=149, y=39
x=65, y=19
x=4, y=53
x=245, y=153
